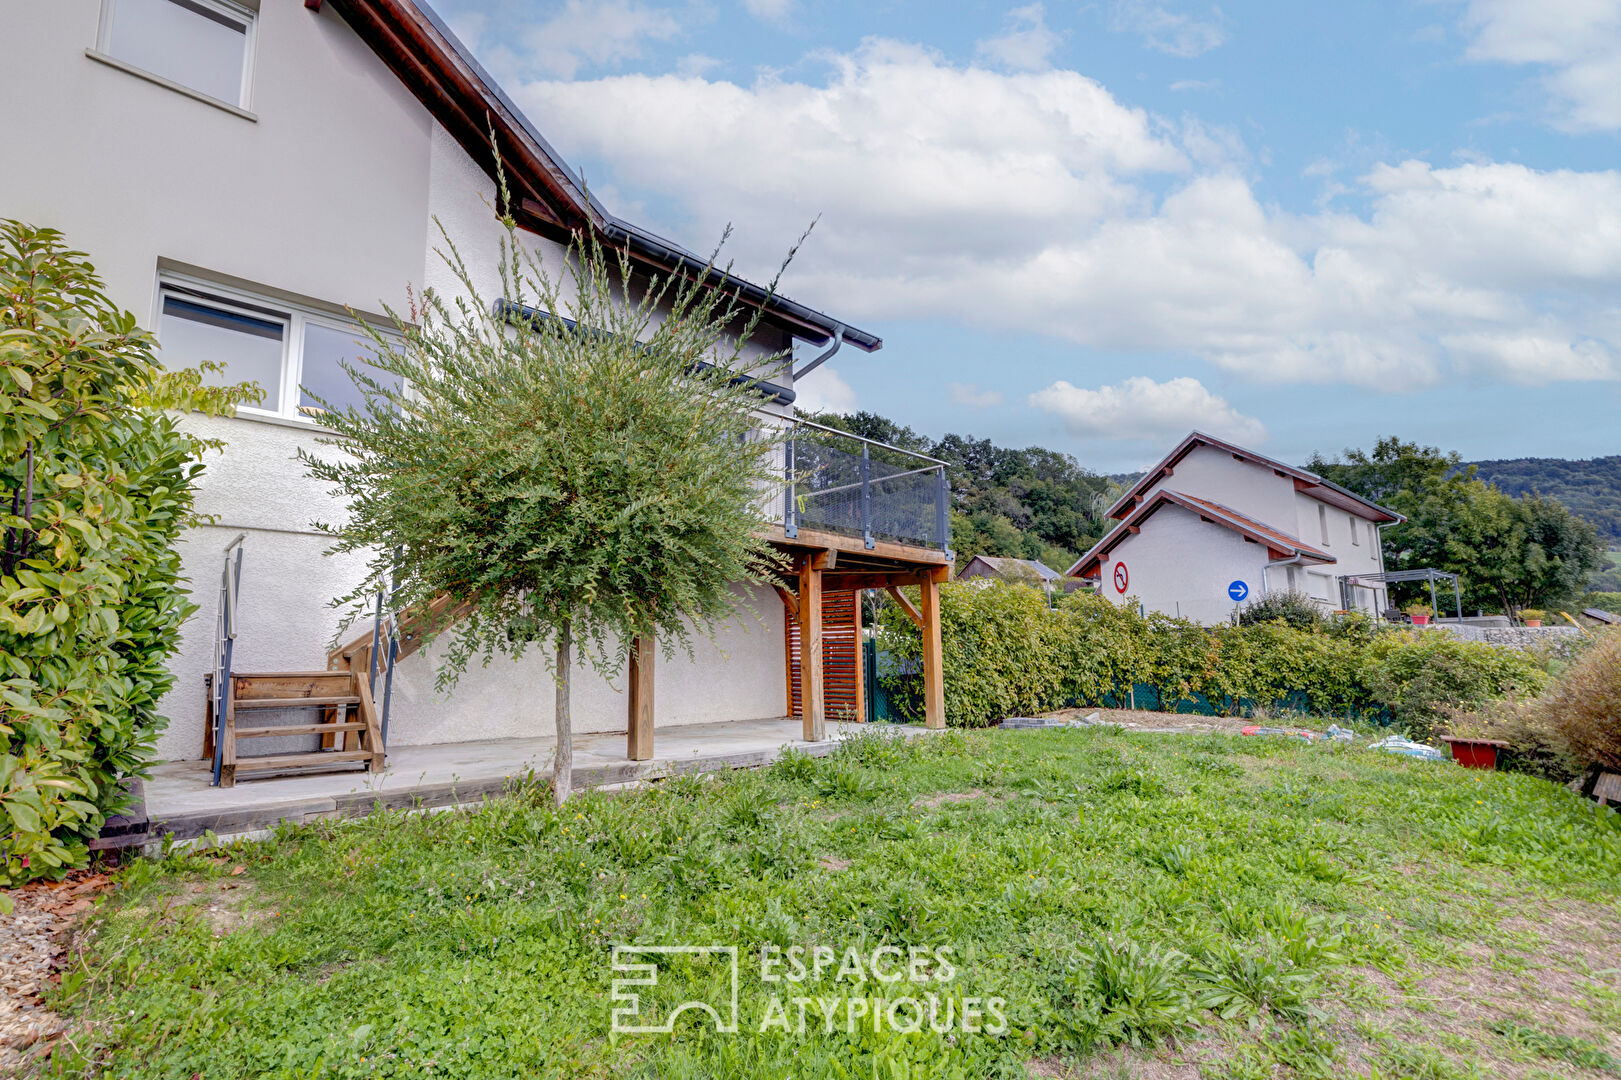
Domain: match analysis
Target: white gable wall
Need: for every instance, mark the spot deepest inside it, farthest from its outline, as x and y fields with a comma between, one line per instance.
x=1213, y=474
x=1181, y=565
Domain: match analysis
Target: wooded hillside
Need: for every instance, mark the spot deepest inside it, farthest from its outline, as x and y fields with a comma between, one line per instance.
x=1590, y=488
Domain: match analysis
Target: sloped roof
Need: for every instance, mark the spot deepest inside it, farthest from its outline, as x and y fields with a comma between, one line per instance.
x=1305, y=481
x=1003, y=565
x=547, y=196
x=1279, y=544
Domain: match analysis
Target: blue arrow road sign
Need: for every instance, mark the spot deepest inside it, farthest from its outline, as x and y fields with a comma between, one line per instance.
x=1238, y=590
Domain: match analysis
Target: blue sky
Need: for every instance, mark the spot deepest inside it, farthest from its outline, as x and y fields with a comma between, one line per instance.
x=1093, y=226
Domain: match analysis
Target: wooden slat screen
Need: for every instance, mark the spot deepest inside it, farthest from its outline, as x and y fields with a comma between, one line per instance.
x=841, y=658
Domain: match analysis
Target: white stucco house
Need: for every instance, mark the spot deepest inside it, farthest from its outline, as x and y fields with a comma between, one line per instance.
x=1213, y=526
x=247, y=175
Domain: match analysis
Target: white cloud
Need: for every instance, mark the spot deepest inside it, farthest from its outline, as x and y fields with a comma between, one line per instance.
x=824, y=390
x=972, y=396
x=696, y=65
x=1199, y=85
x=1167, y=31
x=1577, y=42
x=1139, y=407
x=583, y=33
x=1037, y=201
x=770, y=10
x=1027, y=43
x=1533, y=360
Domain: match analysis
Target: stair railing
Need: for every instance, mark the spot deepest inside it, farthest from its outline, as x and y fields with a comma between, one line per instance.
x=225, y=645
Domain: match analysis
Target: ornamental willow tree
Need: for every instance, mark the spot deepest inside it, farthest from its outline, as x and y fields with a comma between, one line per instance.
x=578, y=461
x=96, y=482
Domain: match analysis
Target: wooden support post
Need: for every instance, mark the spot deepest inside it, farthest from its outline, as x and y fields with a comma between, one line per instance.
x=811, y=703
x=934, y=684
x=639, y=689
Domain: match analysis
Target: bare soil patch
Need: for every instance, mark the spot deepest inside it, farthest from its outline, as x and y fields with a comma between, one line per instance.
x=1143, y=720
x=934, y=801
x=34, y=938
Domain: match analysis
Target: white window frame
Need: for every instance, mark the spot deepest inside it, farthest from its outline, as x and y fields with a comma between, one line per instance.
x=1322, y=522
x=246, y=17
x=293, y=317
x=1356, y=541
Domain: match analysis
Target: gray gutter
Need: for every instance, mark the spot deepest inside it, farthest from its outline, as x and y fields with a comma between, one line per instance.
x=519, y=314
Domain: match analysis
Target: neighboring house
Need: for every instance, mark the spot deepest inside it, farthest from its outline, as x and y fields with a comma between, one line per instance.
x=1029, y=571
x=247, y=178
x=1214, y=525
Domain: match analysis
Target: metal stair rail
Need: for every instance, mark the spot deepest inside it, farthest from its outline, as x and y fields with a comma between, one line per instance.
x=347, y=721
x=224, y=646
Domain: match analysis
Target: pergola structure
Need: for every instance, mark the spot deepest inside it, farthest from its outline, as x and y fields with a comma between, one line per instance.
x=1428, y=574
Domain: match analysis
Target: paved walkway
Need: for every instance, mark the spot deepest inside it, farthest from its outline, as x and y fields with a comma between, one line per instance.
x=180, y=802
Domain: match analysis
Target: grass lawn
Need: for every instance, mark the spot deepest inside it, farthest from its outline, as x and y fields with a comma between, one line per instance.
x=1166, y=906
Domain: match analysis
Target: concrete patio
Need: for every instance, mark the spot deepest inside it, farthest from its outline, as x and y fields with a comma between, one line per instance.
x=180, y=803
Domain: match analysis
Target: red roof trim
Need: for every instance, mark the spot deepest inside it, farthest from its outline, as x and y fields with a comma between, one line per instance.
x=1279, y=544
x=1307, y=482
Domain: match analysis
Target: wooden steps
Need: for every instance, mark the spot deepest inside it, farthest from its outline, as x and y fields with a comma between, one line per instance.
x=283, y=762
x=296, y=729
x=347, y=721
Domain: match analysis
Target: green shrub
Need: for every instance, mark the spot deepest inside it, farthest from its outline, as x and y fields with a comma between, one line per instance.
x=90, y=597
x=1292, y=608
x=1008, y=654
x=1584, y=704
x=1423, y=676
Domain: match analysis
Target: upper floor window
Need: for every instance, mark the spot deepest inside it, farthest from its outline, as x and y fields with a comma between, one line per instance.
x=293, y=354
x=203, y=45
x=1322, y=522
x=1352, y=519
x=1373, y=535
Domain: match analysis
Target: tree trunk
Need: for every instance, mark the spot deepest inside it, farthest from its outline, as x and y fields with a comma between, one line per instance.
x=563, y=762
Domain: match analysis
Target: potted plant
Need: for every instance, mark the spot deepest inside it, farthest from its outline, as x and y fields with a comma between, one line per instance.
x=1419, y=613
x=1474, y=752
x=1531, y=616
x=1471, y=736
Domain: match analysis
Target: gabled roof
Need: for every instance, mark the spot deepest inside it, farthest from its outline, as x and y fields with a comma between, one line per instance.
x=1003, y=565
x=1306, y=482
x=1279, y=544
x=547, y=196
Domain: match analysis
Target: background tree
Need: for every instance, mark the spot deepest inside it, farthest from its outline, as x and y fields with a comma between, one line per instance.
x=579, y=481
x=1023, y=503
x=1510, y=553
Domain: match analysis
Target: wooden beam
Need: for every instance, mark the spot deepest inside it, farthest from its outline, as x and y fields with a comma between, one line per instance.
x=313, y=5
x=905, y=605
x=877, y=579
x=789, y=600
x=854, y=545
x=639, y=691
x=934, y=685
x=811, y=704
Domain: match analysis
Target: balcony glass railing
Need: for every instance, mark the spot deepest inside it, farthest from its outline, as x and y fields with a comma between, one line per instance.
x=837, y=482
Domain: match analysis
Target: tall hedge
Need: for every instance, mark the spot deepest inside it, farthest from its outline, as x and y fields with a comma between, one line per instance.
x=95, y=486
x=1008, y=653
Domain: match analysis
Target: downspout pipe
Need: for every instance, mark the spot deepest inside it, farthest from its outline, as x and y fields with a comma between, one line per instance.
x=838, y=341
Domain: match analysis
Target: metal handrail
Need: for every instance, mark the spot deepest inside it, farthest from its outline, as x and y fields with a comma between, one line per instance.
x=225, y=646
x=796, y=422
